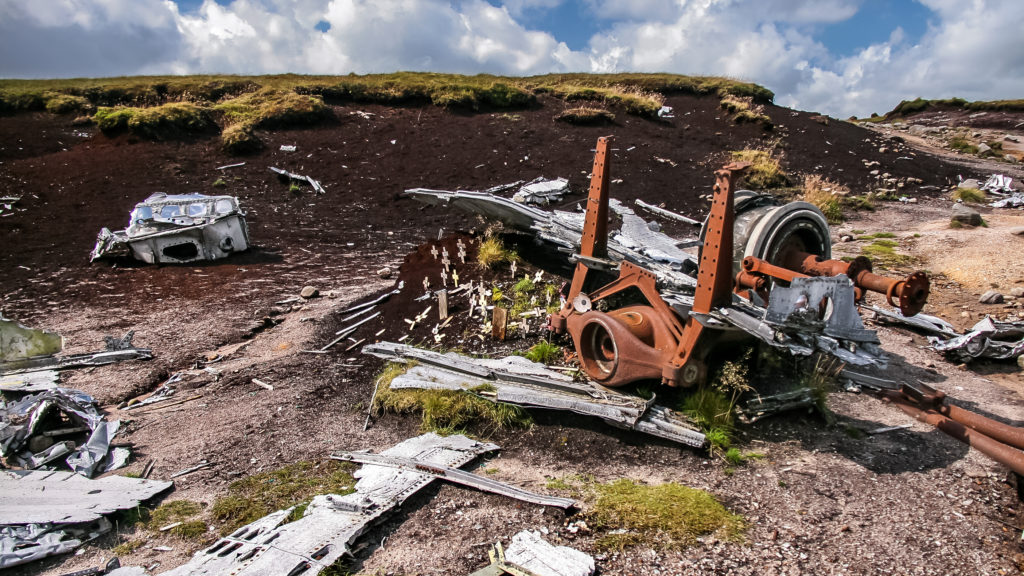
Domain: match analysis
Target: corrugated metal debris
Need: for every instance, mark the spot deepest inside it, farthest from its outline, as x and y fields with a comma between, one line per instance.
x=178, y=228
x=519, y=381
x=542, y=191
x=46, y=513
x=331, y=523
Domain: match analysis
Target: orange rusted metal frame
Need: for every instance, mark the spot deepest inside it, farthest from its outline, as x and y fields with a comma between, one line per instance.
x=594, y=242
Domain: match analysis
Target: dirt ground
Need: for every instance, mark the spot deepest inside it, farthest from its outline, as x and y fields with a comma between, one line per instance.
x=824, y=500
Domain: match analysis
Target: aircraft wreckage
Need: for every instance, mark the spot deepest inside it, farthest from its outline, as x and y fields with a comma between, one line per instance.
x=639, y=307
x=178, y=228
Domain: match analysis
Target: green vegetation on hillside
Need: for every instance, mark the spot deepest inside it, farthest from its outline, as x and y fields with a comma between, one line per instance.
x=911, y=107
x=159, y=107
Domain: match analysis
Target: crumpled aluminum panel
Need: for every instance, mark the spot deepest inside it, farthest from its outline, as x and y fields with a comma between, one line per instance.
x=331, y=523
x=68, y=498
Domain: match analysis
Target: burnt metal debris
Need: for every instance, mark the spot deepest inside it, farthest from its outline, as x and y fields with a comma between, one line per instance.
x=516, y=380
x=331, y=523
x=115, y=350
x=48, y=513
x=178, y=228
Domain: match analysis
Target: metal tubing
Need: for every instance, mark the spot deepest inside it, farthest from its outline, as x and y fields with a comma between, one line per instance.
x=1006, y=455
x=992, y=428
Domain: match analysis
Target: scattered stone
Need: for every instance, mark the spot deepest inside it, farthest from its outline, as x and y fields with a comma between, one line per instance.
x=1017, y=292
x=969, y=183
x=874, y=172
x=991, y=297
x=384, y=272
x=1011, y=138
x=984, y=149
x=1011, y=158
x=1018, y=231
x=911, y=200
x=883, y=150
x=966, y=216
x=309, y=292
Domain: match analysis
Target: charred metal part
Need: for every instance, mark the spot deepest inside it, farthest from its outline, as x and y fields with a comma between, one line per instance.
x=178, y=228
x=931, y=324
x=331, y=523
x=457, y=476
x=760, y=407
x=516, y=380
x=666, y=213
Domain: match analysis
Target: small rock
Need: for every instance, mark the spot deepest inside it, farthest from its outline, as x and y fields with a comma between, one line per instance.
x=874, y=172
x=1011, y=138
x=984, y=149
x=911, y=200
x=1020, y=362
x=966, y=216
x=1011, y=158
x=1018, y=231
x=309, y=292
x=1017, y=292
x=965, y=314
x=883, y=150
x=384, y=272
x=969, y=183
x=991, y=297
x=845, y=238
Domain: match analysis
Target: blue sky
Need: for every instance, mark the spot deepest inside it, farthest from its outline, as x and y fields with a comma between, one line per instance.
x=841, y=57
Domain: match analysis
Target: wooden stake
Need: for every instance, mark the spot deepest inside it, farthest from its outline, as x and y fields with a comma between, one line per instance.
x=442, y=304
x=499, y=323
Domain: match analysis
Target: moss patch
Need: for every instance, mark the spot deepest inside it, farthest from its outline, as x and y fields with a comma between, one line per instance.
x=882, y=252
x=666, y=516
x=171, y=120
x=586, y=116
x=256, y=496
x=971, y=195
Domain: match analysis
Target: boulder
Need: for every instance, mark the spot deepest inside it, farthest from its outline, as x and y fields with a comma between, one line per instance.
x=1017, y=292
x=1018, y=231
x=309, y=292
x=984, y=149
x=384, y=272
x=991, y=297
x=965, y=216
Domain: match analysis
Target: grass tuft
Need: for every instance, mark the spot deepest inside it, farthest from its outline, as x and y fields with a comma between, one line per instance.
x=544, y=352
x=743, y=110
x=764, y=171
x=492, y=252
x=963, y=144
x=57, y=103
x=970, y=195
x=256, y=496
x=711, y=406
x=171, y=120
x=586, y=116
x=666, y=516
x=827, y=195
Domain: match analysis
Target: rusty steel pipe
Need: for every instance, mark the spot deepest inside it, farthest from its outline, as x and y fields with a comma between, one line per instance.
x=1006, y=455
x=992, y=428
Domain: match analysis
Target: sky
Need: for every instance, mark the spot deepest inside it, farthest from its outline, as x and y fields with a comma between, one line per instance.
x=838, y=57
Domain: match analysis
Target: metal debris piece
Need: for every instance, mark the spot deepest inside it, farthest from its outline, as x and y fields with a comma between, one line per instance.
x=1014, y=201
x=457, y=476
x=998, y=183
x=542, y=191
x=30, y=381
x=40, y=497
x=299, y=178
x=117, y=350
x=987, y=339
x=178, y=228
x=7, y=204
x=48, y=513
x=528, y=550
x=331, y=523
x=562, y=229
x=931, y=324
x=760, y=407
x=226, y=166
x=519, y=381
x=666, y=213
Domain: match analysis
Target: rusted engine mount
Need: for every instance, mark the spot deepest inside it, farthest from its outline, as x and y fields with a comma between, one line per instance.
x=653, y=341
